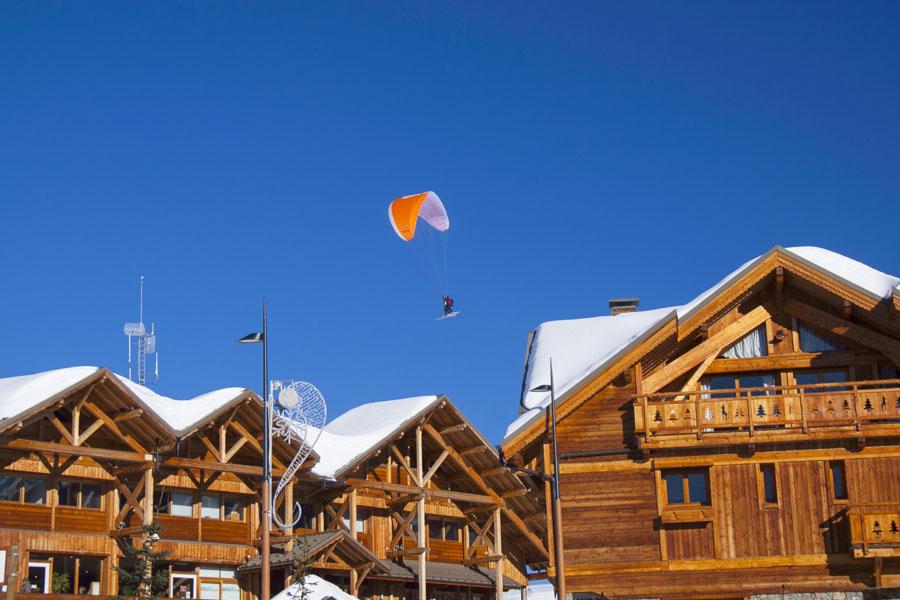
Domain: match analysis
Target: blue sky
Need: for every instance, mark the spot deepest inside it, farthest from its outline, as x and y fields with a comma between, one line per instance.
x=584, y=151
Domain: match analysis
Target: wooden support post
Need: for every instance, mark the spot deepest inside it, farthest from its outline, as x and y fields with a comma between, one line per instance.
x=13, y=568
x=353, y=517
x=289, y=516
x=420, y=508
x=148, y=496
x=498, y=551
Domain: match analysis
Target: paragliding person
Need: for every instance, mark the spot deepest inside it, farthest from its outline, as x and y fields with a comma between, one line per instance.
x=405, y=214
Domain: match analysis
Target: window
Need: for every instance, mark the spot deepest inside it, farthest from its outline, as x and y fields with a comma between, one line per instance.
x=435, y=529
x=816, y=377
x=306, y=516
x=769, y=488
x=451, y=531
x=751, y=345
x=686, y=486
x=211, y=507
x=234, y=508
x=182, y=504
x=360, y=521
x=838, y=480
x=78, y=494
x=444, y=529
x=811, y=341
x=734, y=382
x=23, y=490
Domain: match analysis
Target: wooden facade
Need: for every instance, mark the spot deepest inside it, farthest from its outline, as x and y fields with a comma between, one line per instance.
x=688, y=474
x=83, y=471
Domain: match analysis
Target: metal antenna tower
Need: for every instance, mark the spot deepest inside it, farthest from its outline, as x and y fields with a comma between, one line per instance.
x=145, y=344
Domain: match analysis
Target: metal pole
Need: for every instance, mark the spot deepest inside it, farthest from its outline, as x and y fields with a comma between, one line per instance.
x=557, y=509
x=265, y=588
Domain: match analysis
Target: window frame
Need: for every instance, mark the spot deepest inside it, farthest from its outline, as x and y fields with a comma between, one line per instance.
x=688, y=502
x=20, y=489
x=832, y=492
x=764, y=503
x=79, y=493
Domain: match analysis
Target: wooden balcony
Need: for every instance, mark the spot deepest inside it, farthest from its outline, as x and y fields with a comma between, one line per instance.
x=874, y=530
x=855, y=409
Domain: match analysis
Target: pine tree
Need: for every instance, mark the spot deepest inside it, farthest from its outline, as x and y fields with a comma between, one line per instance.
x=140, y=578
x=301, y=567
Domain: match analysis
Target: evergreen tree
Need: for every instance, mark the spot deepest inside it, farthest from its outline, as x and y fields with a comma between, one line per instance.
x=301, y=567
x=140, y=578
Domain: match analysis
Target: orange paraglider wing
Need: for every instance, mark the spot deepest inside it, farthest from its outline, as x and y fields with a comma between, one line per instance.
x=405, y=212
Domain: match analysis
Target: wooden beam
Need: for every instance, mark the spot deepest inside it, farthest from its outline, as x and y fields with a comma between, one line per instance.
x=127, y=415
x=434, y=467
x=404, y=463
x=789, y=361
x=698, y=373
x=60, y=428
x=98, y=413
x=190, y=463
x=426, y=492
x=54, y=448
x=211, y=447
x=494, y=472
x=83, y=437
x=843, y=328
x=479, y=449
x=454, y=428
x=698, y=353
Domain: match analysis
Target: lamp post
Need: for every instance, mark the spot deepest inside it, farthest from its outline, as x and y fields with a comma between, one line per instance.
x=557, y=510
x=261, y=337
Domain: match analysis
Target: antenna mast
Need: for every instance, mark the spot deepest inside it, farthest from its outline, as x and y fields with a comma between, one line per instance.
x=145, y=344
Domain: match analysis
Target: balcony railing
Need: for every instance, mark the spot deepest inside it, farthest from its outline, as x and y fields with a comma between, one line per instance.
x=781, y=413
x=874, y=530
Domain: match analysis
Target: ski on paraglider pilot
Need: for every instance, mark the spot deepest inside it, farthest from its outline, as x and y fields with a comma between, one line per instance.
x=448, y=306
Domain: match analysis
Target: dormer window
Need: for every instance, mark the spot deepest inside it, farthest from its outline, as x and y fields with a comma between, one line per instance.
x=752, y=345
x=812, y=341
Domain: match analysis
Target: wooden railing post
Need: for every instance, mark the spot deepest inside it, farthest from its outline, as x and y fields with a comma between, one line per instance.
x=803, y=411
x=856, y=406
x=750, y=412
x=697, y=414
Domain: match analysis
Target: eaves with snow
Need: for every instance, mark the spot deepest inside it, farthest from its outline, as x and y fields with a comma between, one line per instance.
x=582, y=348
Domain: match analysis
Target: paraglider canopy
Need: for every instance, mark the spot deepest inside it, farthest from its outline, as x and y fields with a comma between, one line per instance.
x=404, y=213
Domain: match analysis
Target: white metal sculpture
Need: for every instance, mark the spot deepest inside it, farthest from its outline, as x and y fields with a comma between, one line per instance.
x=299, y=412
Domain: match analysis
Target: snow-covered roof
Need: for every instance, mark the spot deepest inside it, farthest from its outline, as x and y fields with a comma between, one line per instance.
x=19, y=395
x=582, y=347
x=318, y=589
x=180, y=415
x=360, y=430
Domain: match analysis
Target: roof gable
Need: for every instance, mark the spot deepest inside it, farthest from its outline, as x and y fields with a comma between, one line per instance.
x=592, y=346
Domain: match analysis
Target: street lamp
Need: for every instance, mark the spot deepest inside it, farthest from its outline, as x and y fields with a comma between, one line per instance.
x=557, y=510
x=261, y=337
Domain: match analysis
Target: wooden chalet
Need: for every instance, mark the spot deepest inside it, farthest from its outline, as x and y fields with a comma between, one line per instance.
x=421, y=506
x=745, y=443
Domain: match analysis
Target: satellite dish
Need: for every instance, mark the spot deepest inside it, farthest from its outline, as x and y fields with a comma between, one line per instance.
x=299, y=417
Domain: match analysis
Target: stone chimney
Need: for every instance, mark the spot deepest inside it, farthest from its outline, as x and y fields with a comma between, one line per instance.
x=617, y=306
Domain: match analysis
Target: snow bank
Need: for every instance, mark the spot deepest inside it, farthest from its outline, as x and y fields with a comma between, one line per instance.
x=580, y=347
x=318, y=588
x=536, y=591
x=19, y=394
x=360, y=429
